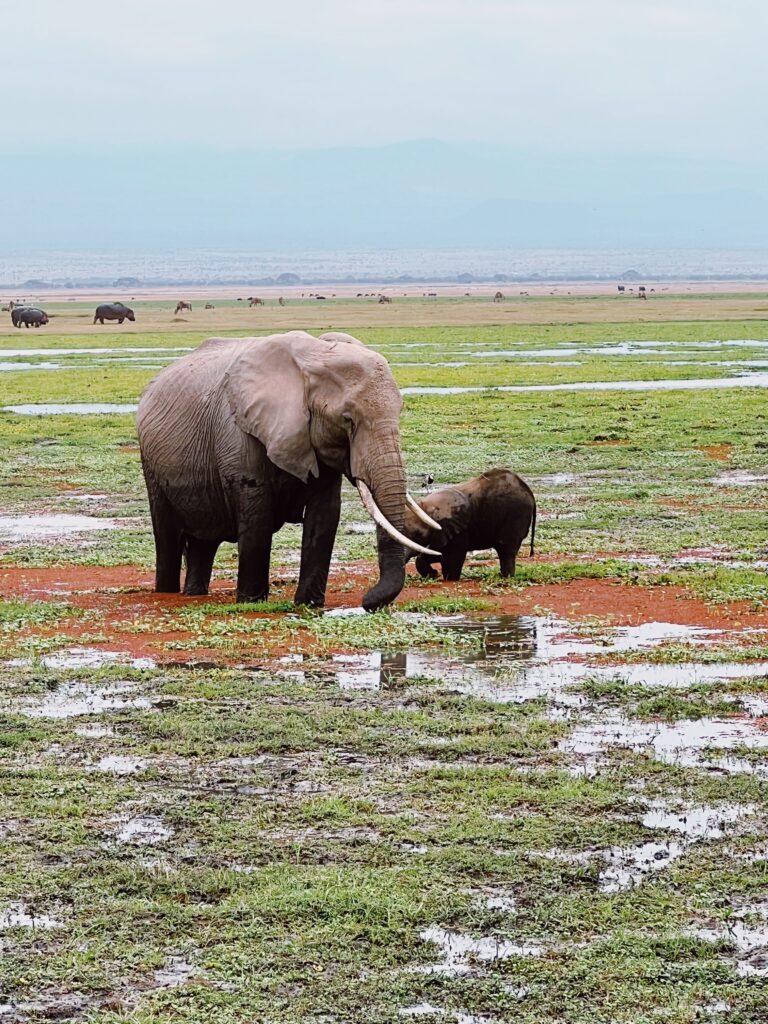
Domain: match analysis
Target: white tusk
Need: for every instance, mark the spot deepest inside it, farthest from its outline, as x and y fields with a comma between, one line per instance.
x=381, y=520
x=422, y=515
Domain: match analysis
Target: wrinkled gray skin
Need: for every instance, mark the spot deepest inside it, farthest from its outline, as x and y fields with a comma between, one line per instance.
x=28, y=316
x=246, y=434
x=113, y=311
x=495, y=510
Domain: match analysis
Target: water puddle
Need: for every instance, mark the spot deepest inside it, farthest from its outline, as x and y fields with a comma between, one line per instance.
x=746, y=380
x=21, y=528
x=626, y=867
x=71, y=700
x=520, y=658
x=145, y=830
x=91, y=657
x=94, y=732
x=696, y=823
x=429, y=1010
x=175, y=973
x=10, y=367
x=18, y=915
x=460, y=950
x=69, y=409
x=118, y=764
x=740, y=478
x=9, y=353
x=748, y=937
x=681, y=743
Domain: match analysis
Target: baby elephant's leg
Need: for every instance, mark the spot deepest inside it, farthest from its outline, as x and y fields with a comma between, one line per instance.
x=507, y=556
x=453, y=563
x=424, y=567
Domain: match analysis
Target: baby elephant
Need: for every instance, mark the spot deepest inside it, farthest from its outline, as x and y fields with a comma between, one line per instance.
x=495, y=510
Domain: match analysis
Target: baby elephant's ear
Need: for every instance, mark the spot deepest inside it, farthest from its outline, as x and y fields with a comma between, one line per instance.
x=450, y=508
x=267, y=397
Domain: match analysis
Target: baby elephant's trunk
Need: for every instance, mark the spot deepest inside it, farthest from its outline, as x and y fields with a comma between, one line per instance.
x=533, y=527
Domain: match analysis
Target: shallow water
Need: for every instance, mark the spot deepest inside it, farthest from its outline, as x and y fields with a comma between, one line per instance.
x=36, y=527
x=144, y=831
x=625, y=867
x=522, y=658
x=72, y=700
x=740, y=478
x=747, y=380
x=459, y=949
x=20, y=352
x=92, y=657
x=69, y=409
x=118, y=764
x=682, y=743
x=18, y=915
x=748, y=937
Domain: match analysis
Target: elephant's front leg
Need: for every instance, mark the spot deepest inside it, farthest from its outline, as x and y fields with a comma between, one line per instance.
x=254, y=543
x=321, y=520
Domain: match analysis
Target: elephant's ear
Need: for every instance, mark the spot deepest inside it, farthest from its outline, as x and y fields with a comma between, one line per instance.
x=267, y=395
x=449, y=507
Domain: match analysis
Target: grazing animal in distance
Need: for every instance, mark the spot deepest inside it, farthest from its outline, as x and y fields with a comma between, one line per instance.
x=209, y=305
x=384, y=298
x=181, y=305
x=498, y=297
x=495, y=510
x=620, y=287
x=28, y=316
x=113, y=311
x=254, y=300
x=281, y=301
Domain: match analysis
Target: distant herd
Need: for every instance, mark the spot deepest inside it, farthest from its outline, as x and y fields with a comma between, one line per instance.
x=23, y=315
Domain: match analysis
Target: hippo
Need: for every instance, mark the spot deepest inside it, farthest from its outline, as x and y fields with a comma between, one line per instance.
x=113, y=311
x=28, y=316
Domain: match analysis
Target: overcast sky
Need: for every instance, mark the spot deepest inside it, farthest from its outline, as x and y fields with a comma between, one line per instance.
x=679, y=77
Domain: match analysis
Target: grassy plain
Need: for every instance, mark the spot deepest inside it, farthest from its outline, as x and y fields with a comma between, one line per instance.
x=400, y=820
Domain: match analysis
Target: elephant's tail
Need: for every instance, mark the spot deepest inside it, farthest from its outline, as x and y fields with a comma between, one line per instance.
x=533, y=528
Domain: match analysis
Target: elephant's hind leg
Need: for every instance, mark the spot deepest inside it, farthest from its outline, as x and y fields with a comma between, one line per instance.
x=200, y=555
x=507, y=557
x=169, y=543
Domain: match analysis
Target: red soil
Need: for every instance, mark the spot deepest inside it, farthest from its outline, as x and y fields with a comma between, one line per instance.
x=124, y=593
x=718, y=452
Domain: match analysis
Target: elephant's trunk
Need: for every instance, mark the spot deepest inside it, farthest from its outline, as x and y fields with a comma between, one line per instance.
x=381, y=468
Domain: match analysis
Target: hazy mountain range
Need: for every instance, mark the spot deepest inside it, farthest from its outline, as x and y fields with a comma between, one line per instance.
x=410, y=194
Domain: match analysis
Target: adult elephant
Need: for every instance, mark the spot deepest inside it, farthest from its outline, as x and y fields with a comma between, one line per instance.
x=113, y=311
x=28, y=316
x=244, y=435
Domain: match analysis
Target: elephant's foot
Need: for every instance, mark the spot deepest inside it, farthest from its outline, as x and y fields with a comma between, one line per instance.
x=309, y=597
x=245, y=598
x=195, y=589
